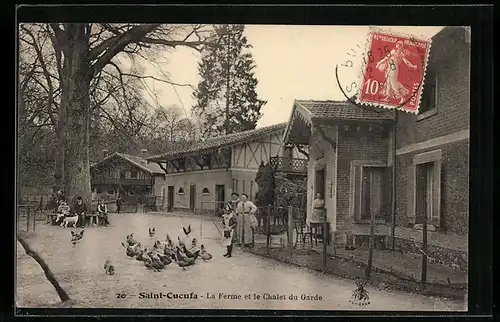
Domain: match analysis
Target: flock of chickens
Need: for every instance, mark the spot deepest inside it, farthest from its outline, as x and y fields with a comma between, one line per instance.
x=163, y=253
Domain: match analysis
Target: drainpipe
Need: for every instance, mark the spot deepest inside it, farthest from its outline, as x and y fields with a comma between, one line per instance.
x=393, y=199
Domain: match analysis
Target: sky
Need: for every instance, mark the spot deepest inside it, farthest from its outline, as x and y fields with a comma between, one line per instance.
x=292, y=63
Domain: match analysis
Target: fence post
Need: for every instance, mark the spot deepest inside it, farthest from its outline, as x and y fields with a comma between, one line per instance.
x=290, y=230
x=325, y=238
x=268, y=233
x=370, y=252
x=28, y=219
x=201, y=219
x=423, y=279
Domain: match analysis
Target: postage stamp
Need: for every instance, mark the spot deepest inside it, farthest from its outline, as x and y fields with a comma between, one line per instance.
x=393, y=71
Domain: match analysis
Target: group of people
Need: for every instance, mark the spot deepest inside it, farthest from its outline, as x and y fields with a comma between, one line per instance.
x=239, y=222
x=79, y=209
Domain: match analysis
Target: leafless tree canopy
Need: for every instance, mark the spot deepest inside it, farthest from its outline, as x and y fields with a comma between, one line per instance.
x=81, y=82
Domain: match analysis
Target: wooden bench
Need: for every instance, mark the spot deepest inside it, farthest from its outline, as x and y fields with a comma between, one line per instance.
x=92, y=218
x=51, y=219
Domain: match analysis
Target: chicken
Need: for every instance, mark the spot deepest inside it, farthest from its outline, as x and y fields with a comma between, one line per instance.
x=151, y=232
x=180, y=255
x=75, y=238
x=130, y=239
x=204, y=254
x=165, y=259
x=183, y=263
x=180, y=242
x=168, y=251
x=190, y=254
x=158, y=245
x=187, y=231
x=169, y=241
x=108, y=267
x=194, y=246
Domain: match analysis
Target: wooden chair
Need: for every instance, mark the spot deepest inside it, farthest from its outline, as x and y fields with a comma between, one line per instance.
x=301, y=231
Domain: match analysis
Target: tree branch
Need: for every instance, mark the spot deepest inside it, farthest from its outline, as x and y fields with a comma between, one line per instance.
x=112, y=46
x=48, y=273
x=50, y=91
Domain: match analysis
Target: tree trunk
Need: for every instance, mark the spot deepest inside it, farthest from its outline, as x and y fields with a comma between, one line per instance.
x=76, y=140
x=48, y=273
x=60, y=147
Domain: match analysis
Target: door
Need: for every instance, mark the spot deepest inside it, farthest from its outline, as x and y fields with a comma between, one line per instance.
x=163, y=198
x=320, y=183
x=192, y=196
x=220, y=193
x=170, y=203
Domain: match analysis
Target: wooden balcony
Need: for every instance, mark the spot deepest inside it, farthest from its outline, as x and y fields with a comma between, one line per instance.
x=123, y=182
x=289, y=165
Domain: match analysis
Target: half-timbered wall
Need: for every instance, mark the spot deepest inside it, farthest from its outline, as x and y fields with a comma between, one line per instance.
x=209, y=161
x=248, y=155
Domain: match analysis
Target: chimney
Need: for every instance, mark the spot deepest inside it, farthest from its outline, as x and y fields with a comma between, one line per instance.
x=144, y=153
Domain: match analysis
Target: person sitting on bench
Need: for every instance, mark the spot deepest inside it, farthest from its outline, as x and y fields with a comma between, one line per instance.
x=80, y=209
x=63, y=210
x=102, y=209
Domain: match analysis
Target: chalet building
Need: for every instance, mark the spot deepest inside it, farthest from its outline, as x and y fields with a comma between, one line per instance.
x=347, y=145
x=130, y=176
x=204, y=175
x=351, y=158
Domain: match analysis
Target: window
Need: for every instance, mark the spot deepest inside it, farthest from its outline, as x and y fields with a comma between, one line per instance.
x=371, y=190
x=180, y=191
x=243, y=186
x=98, y=190
x=428, y=104
x=111, y=192
x=424, y=189
x=424, y=192
x=123, y=174
x=205, y=191
x=236, y=187
x=234, y=184
x=133, y=174
x=251, y=190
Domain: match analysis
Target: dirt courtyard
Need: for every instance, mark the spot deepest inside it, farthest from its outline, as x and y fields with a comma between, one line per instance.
x=214, y=284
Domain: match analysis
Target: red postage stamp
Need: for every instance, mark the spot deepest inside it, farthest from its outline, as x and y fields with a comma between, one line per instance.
x=393, y=72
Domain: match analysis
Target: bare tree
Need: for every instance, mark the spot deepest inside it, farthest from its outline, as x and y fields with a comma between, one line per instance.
x=82, y=67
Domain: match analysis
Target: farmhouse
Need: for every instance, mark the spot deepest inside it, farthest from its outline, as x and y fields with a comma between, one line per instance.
x=127, y=175
x=351, y=158
x=204, y=175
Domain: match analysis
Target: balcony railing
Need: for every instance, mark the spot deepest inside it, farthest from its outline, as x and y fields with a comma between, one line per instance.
x=289, y=165
x=124, y=182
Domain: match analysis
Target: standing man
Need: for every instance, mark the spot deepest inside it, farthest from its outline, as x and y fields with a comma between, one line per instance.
x=118, y=204
x=80, y=209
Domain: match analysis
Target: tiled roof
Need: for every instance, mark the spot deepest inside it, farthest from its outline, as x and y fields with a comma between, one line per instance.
x=220, y=141
x=343, y=110
x=138, y=161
